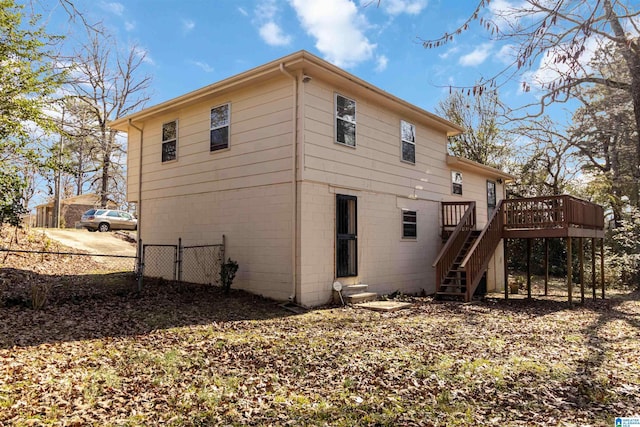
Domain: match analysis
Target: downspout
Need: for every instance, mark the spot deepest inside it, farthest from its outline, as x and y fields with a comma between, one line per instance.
x=139, y=206
x=294, y=186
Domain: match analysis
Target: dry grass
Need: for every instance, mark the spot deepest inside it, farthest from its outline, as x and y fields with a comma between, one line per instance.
x=188, y=355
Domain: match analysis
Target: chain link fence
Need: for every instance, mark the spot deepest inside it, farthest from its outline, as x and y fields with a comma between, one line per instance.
x=190, y=264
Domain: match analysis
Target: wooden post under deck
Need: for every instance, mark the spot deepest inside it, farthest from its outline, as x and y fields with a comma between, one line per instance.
x=529, y=268
x=506, y=270
x=593, y=267
x=569, y=271
x=581, y=257
x=602, y=265
x=546, y=266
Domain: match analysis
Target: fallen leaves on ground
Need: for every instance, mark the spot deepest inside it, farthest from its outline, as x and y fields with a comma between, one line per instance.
x=189, y=355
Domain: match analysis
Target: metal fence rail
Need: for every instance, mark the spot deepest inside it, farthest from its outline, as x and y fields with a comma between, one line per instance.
x=191, y=264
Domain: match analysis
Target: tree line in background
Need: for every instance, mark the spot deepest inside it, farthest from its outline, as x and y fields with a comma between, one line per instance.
x=56, y=101
x=592, y=50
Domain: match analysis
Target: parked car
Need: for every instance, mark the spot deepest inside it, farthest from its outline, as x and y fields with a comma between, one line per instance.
x=108, y=219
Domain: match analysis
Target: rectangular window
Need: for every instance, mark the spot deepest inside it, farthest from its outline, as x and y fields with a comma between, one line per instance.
x=169, y=140
x=219, y=128
x=345, y=121
x=408, y=137
x=346, y=236
x=409, y=224
x=491, y=197
x=456, y=182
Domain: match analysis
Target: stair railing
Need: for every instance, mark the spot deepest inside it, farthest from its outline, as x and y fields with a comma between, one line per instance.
x=447, y=256
x=484, y=247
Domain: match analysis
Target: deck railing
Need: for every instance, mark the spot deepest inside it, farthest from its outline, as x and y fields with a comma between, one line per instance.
x=552, y=212
x=452, y=213
x=447, y=256
x=482, y=250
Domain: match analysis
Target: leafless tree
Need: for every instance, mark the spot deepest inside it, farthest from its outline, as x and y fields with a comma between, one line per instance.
x=107, y=80
x=559, y=34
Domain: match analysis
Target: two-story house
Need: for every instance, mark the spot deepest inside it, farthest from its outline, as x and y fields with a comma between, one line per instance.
x=312, y=174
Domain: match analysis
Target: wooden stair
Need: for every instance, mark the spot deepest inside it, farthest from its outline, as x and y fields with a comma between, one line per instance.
x=454, y=283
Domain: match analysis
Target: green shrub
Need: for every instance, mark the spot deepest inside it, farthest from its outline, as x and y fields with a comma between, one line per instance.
x=227, y=274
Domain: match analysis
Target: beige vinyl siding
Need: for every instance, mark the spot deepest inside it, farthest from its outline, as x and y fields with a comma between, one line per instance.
x=375, y=164
x=256, y=222
x=259, y=153
x=386, y=262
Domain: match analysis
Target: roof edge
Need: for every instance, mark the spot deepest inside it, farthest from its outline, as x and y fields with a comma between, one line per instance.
x=289, y=60
x=478, y=167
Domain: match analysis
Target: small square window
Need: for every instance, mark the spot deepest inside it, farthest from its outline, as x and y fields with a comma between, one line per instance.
x=169, y=140
x=408, y=139
x=456, y=182
x=219, y=128
x=409, y=224
x=345, y=121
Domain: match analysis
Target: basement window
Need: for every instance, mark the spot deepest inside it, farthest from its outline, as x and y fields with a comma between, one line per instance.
x=169, y=141
x=409, y=224
x=345, y=121
x=408, y=141
x=220, y=127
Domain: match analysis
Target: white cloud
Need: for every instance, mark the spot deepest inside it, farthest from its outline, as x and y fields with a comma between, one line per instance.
x=507, y=54
x=188, y=25
x=272, y=34
x=144, y=54
x=266, y=14
x=477, y=57
x=338, y=29
x=397, y=7
x=449, y=52
x=552, y=68
x=113, y=7
x=203, y=66
x=381, y=63
x=129, y=25
x=243, y=11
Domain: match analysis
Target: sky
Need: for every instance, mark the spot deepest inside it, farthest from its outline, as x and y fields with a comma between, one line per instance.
x=192, y=43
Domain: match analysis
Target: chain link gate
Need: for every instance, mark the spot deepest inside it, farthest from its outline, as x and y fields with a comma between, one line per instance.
x=192, y=264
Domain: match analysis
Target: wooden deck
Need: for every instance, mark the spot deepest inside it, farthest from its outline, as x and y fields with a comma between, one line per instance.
x=555, y=216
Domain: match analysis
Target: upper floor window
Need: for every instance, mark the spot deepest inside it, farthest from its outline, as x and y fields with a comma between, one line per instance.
x=408, y=137
x=169, y=140
x=345, y=121
x=456, y=182
x=220, y=127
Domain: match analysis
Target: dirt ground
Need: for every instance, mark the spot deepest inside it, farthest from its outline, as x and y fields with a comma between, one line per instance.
x=96, y=243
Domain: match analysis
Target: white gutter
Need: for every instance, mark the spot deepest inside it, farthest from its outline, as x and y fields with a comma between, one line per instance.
x=294, y=186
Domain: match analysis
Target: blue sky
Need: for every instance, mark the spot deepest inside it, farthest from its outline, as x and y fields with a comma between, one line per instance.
x=192, y=43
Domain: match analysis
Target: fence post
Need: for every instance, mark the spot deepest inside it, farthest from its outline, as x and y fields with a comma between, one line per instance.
x=140, y=264
x=179, y=260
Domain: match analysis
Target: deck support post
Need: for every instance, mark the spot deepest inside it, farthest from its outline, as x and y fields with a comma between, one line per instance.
x=581, y=258
x=569, y=270
x=593, y=267
x=602, y=265
x=529, y=268
x=546, y=266
x=506, y=270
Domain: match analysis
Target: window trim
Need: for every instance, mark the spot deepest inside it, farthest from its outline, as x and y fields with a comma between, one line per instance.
x=414, y=222
x=402, y=141
x=163, y=142
x=453, y=183
x=228, y=126
x=336, y=118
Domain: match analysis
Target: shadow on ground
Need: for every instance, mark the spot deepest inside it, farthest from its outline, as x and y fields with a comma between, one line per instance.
x=86, y=307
